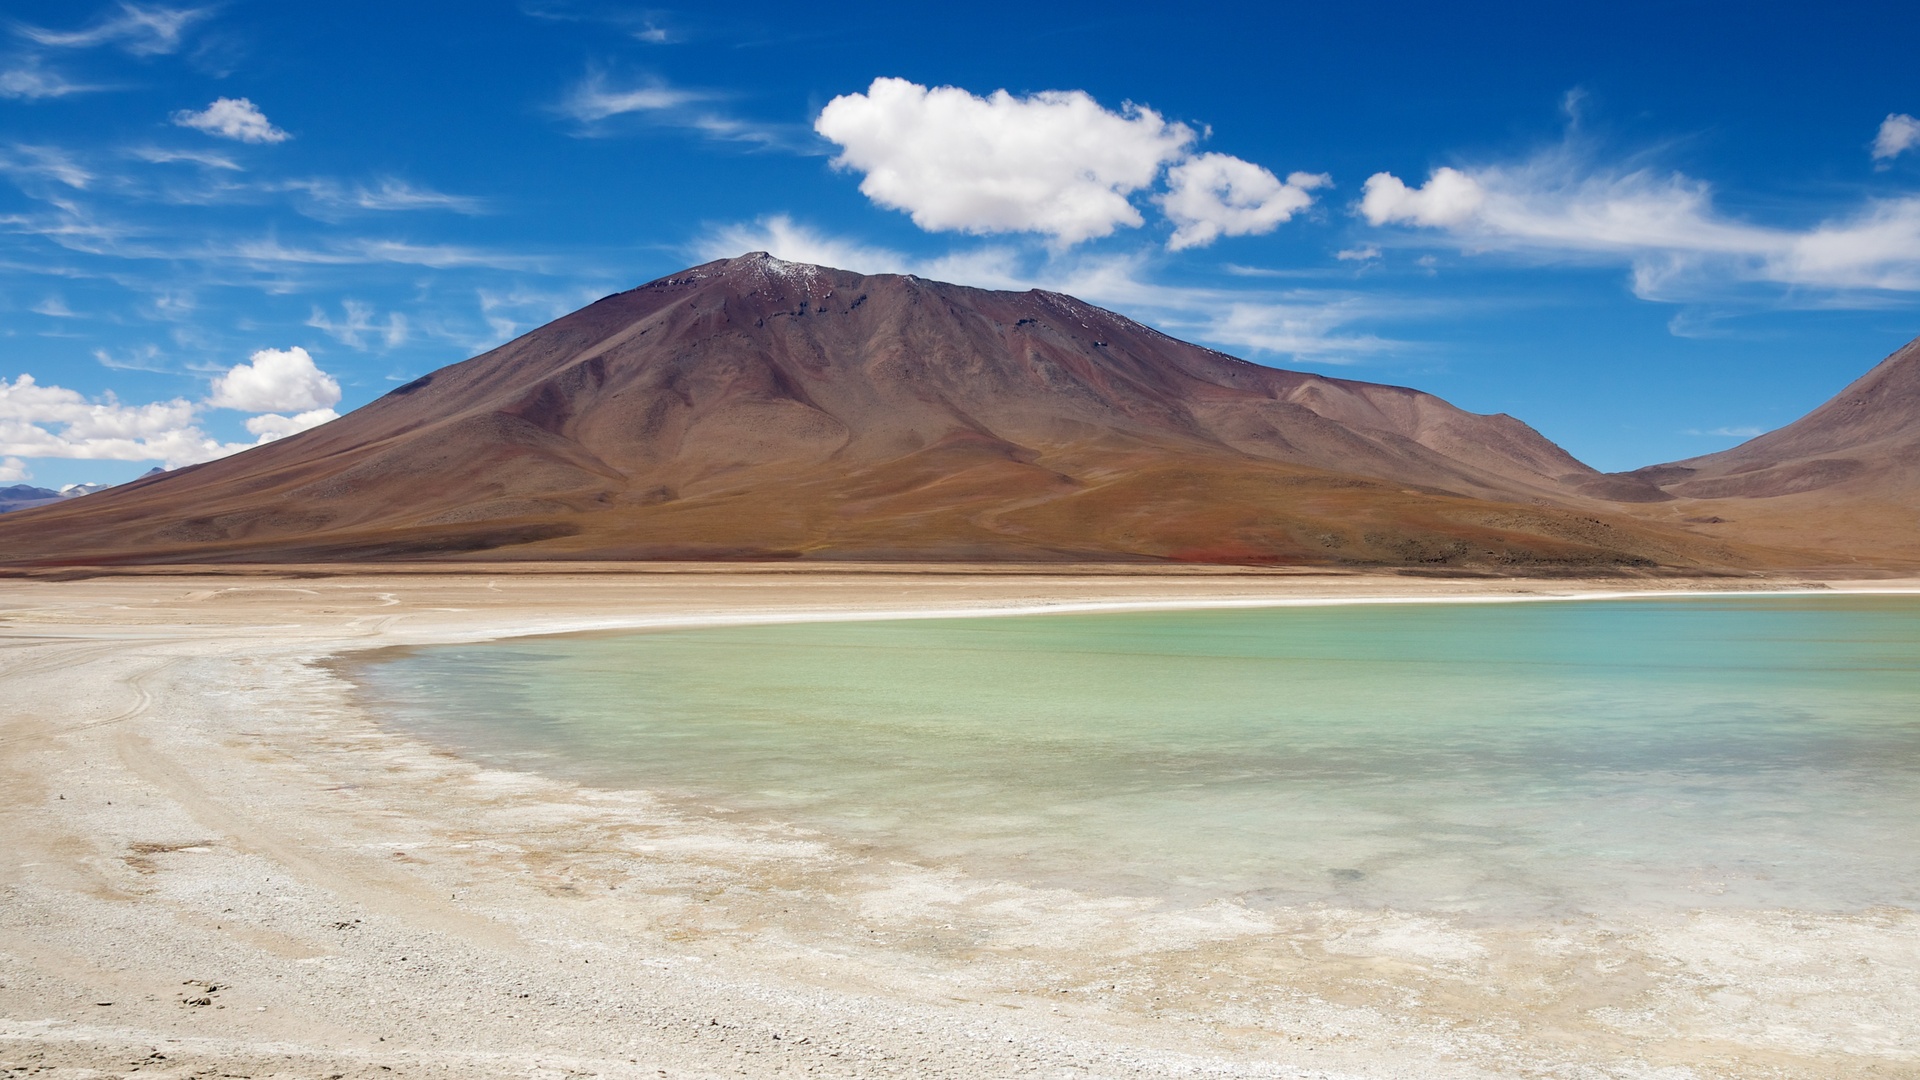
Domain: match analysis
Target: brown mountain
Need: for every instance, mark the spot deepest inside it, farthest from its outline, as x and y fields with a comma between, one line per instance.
x=752, y=408
x=1840, y=484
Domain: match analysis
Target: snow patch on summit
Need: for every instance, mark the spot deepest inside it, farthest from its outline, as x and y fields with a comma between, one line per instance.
x=799, y=273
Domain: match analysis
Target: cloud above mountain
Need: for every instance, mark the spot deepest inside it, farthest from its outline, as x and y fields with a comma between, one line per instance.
x=1215, y=195
x=1056, y=163
x=275, y=380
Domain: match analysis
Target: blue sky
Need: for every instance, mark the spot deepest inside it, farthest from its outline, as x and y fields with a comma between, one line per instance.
x=1647, y=229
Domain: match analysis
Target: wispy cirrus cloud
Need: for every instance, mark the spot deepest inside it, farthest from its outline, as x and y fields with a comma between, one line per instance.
x=327, y=198
x=1310, y=324
x=1566, y=204
x=140, y=29
x=598, y=101
x=29, y=79
x=510, y=310
x=164, y=155
x=387, y=194
x=441, y=256
x=781, y=236
x=78, y=226
x=361, y=251
x=74, y=228
x=359, y=324
x=596, y=97
x=651, y=27
x=133, y=358
x=43, y=163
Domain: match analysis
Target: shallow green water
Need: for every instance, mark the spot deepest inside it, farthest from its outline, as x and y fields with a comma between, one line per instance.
x=1494, y=758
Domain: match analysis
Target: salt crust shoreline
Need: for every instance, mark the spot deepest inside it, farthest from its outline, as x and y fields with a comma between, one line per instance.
x=190, y=798
x=716, y=620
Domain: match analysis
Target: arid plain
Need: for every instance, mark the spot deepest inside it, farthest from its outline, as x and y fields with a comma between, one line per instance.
x=219, y=862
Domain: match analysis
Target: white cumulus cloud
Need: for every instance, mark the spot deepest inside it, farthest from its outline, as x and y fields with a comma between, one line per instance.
x=275, y=380
x=1214, y=195
x=52, y=421
x=1449, y=197
x=13, y=470
x=1898, y=134
x=232, y=118
x=283, y=385
x=1056, y=163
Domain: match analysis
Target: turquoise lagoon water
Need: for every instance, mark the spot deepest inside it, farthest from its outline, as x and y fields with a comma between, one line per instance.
x=1503, y=759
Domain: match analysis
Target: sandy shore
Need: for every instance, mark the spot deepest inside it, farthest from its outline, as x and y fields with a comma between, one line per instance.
x=213, y=861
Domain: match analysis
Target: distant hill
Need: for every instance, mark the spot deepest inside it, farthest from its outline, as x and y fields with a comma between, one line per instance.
x=22, y=496
x=26, y=496
x=1841, y=483
x=753, y=408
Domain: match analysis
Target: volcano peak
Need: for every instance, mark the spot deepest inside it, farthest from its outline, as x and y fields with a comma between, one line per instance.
x=757, y=407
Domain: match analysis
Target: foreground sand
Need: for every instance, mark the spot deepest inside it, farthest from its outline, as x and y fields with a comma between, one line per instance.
x=214, y=861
